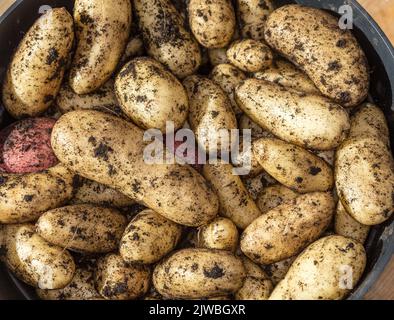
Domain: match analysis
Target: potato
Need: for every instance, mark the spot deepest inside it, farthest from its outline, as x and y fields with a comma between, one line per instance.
x=254, y=289
x=109, y=150
x=198, y=273
x=150, y=95
x=330, y=56
x=327, y=270
x=166, y=38
x=235, y=202
x=287, y=229
x=35, y=261
x=117, y=280
x=148, y=238
x=217, y=56
x=293, y=166
x=228, y=78
x=278, y=270
x=257, y=132
x=23, y=198
x=212, y=22
x=255, y=185
x=273, y=196
x=134, y=48
x=288, y=76
x=102, y=31
x=346, y=226
x=364, y=177
x=37, y=68
x=82, y=228
x=246, y=159
x=210, y=115
x=309, y=121
x=249, y=55
x=221, y=234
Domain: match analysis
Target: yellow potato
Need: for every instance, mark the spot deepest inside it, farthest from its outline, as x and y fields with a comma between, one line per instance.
x=273, y=196
x=254, y=289
x=257, y=132
x=278, y=270
x=255, y=185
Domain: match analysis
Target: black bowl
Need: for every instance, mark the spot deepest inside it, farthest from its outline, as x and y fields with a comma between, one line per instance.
x=380, y=53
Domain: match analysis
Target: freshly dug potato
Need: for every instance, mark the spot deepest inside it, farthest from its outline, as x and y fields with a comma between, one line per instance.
x=246, y=159
x=250, y=55
x=293, y=166
x=327, y=270
x=102, y=31
x=198, y=273
x=212, y=22
x=286, y=230
x=278, y=270
x=217, y=56
x=254, y=289
x=273, y=196
x=210, y=115
x=150, y=95
x=257, y=132
x=221, y=234
x=134, y=48
x=23, y=198
x=288, y=76
x=148, y=238
x=346, y=226
x=364, y=177
x=255, y=185
x=166, y=38
x=331, y=57
x=235, y=202
x=310, y=121
x=117, y=280
x=37, y=68
x=82, y=228
x=109, y=150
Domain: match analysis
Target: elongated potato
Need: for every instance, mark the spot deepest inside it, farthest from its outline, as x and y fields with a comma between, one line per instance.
x=37, y=68
x=150, y=95
x=257, y=132
x=198, y=273
x=148, y=238
x=310, y=121
x=273, y=196
x=293, y=166
x=102, y=31
x=327, y=270
x=364, y=177
x=109, y=150
x=278, y=270
x=235, y=202
x=166, y=38
x=23, y=198
x=331, y=57
x=286, y=230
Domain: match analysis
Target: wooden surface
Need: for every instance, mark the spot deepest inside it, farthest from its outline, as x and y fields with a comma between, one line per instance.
x=383, y=13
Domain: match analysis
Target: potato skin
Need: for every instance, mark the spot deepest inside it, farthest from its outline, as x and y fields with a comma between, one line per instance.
x=102, y=31
x=148, y=238
x=257, y=132
x=198, y=273
x=331, y=57
x=117, y=280
x=166, y=38
x=273, y=196
x=145, y=82
x=278, y=270
x=284, y=231
x=318, y=270
x=255, y=185
x=293, y=166
x=212, y=22
x=37, y=68
x=110, y=151
x=310, y=121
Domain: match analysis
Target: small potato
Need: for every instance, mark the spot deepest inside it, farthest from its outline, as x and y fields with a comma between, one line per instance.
x=235, y=202
x=255, y=289
x=346, y=226
x=246, y=159
x=217, y=56
x=257, y=132
x=273, y=196
x=37, y=68
x=150, y=95
x=330, y=56
x=250, y=55
x=322, y=271
x=293, y=166
x=278, y=270
x=198, y=273
x=310, y=121
x=286, y=230
x=255, y=185
x=212, y=22
x=221, y=234
x=102, y=31
x=117, y=280
x=148, y=238
x=82, y=228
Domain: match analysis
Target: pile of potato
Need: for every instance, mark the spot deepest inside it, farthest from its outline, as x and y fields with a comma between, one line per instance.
x=82, y=216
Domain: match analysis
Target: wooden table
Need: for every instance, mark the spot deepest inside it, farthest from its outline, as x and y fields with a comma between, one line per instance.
x=383, y=13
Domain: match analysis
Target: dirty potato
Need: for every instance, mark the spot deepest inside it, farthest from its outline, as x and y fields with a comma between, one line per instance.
x=273, y=196
x=278, y=270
